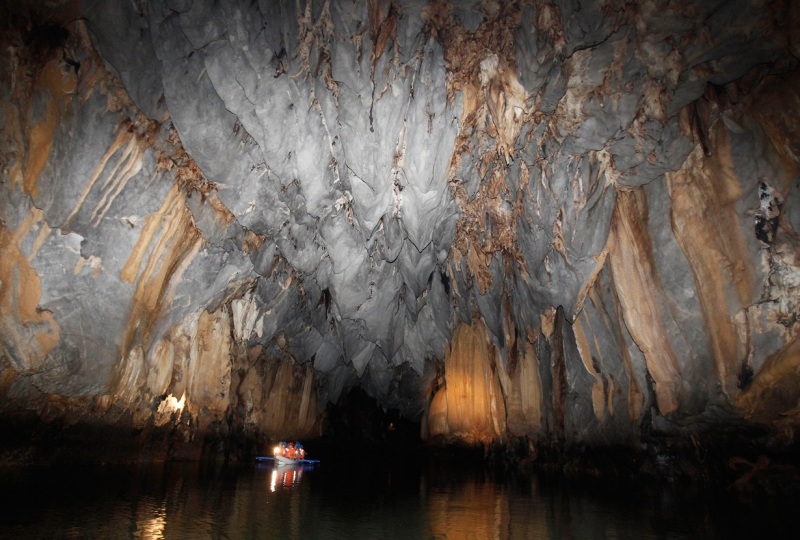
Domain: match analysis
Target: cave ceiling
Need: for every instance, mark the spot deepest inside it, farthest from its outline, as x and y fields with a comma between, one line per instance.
x=590, y=207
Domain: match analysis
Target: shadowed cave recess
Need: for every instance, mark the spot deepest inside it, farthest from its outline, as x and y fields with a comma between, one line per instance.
x=562, y=232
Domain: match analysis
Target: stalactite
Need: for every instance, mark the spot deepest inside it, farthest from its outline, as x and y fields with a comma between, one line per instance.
x=382, y=28
x=631, y=262
x=552, y=322
x=599, y=398
x=470, y=407
x=130, y=376
x=160, y=365
x=286, y=406
x=635, y=395
x=522, y=389
x=247, y=317
x=481, y=66
x=530, y=382
x=208, y=369
x=316, y=34
x=167, y=254
x=706, y=227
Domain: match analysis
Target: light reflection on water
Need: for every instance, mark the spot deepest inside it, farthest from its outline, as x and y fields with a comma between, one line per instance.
x=358, y=499
x=285, y=477
x=150, y=520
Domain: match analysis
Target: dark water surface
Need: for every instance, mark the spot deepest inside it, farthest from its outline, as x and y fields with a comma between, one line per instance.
x=364, y=499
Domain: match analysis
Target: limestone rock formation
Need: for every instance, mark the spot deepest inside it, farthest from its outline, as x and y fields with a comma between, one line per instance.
x=574, y=222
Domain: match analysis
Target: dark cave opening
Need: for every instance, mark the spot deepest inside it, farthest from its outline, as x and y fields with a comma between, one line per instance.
x=358, y=424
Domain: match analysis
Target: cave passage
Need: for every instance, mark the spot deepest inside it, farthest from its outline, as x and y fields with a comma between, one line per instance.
x=359, y=424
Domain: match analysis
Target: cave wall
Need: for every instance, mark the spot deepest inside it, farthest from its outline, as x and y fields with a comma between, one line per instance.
x=566, y=221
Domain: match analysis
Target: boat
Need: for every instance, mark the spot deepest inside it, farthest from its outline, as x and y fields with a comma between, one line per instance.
x=286, y=455
x=287, y=461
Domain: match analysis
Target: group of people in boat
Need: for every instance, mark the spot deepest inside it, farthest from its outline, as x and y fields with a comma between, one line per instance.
x=290, y=450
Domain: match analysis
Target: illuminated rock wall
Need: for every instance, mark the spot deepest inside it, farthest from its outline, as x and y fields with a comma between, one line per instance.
x=469, y=406
x=561, y=220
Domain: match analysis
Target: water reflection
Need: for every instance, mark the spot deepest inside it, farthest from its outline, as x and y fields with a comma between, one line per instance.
x=470, y=512
x=286, y=476
x=385, y=499
x=151, y=519
x=470, y=503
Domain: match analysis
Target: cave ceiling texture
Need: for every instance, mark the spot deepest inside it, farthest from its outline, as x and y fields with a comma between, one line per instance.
x=563, y=221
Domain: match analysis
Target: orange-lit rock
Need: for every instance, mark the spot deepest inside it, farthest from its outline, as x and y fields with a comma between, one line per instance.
x=774, y=394
x=706, y=227
x=288, y=404
x=634, y=275
x=522, y=390
x=472, y=408
x=29, y=332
